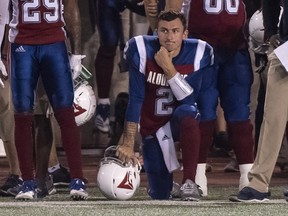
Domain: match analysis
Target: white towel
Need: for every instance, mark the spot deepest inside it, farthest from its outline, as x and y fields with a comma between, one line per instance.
x=167, y=145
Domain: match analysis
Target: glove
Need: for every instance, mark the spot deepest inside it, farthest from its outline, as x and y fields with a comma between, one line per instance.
x=75, y=64
x=262, y=49
x=260, y=62
x=3, y=73
x=275, y=40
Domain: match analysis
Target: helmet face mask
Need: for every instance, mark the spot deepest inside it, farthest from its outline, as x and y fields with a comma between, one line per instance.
x=84, y=103
x=116, y=180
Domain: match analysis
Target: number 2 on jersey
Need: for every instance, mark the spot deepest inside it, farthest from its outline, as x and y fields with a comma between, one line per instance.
x=163, y=102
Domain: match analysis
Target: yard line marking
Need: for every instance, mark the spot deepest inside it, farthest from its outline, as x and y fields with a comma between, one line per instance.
x=91, y=204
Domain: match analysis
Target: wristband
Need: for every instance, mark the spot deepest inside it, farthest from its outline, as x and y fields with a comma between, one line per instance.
x=180, y=87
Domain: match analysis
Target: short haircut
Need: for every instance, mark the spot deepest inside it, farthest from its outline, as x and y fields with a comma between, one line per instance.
x=169, y=15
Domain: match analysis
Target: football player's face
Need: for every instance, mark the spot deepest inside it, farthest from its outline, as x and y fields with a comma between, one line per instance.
x=171, y=34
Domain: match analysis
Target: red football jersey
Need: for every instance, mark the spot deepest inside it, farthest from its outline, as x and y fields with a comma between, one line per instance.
x=149, y=92
x=37, y=22
x=219, y=22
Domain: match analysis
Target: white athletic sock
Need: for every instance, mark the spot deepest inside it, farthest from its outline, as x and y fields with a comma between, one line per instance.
x=200, y=178
x=104, y=101
x=244, y=169
x=54, y=168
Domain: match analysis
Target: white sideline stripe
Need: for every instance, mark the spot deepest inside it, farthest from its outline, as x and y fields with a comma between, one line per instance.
x=91, y=204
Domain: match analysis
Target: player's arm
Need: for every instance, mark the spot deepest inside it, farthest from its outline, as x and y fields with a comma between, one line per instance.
x=271, y=12
x=174, y=5
x=151, y=10
x=179, y=86
x=125, y=148
x=73, y=27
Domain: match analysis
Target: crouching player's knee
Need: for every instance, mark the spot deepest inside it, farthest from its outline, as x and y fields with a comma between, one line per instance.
x=186, y=110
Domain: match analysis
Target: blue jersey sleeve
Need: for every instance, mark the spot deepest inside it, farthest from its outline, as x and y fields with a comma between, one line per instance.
x=198, y=79
x=208, y=57
x=136, y=82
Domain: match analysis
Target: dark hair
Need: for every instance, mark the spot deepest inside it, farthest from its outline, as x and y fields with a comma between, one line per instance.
x=169, y=15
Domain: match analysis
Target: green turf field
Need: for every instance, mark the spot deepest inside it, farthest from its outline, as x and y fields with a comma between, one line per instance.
x=216, y=204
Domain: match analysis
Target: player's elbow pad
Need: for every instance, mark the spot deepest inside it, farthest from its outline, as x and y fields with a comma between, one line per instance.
x=180, y=87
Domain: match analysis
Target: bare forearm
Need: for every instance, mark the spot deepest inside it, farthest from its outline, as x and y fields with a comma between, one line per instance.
x=73, y=24
x=151, y=11
x=174, y=5
x=129, y=133
x=170, y=71
x=125, y=149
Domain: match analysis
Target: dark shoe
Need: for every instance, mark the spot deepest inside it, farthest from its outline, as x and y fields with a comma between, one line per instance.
x=47, y=189
x=40, y=192
x=248, y=194
x=232, y=166
x=175, y=193
x=50, y=185
x=14, y=191
x=286, y=194
x=61, y=177
x=11, y=182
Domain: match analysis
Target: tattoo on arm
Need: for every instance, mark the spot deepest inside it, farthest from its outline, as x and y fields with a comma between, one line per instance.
x=129, y=133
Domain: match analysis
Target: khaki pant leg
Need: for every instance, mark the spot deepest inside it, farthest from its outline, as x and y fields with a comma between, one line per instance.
x=7, y=128
x=273, y=126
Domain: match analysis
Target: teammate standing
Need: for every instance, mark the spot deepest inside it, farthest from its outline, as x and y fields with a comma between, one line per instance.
x=38, y=49
x=111, y=35
x=222, y=24
x=275, y=109
x=6, y=109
